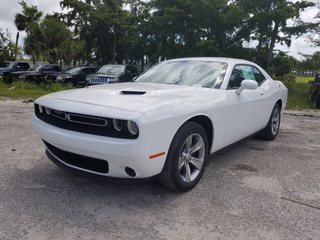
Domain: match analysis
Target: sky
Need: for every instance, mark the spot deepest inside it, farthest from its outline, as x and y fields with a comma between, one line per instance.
x=9, y=8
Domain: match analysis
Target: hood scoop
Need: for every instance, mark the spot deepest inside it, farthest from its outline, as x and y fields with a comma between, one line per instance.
x=132, y=92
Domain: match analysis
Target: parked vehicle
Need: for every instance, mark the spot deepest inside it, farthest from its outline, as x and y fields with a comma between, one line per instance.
x=8, y=67
x=112, y=74
x=37, y=73
x=75, y=76
x=314, y=93
x=164, y=124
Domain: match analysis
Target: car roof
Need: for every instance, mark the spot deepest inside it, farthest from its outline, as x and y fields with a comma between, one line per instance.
x=214, y=59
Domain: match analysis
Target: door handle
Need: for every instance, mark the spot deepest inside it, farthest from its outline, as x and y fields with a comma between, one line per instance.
x=261, y=93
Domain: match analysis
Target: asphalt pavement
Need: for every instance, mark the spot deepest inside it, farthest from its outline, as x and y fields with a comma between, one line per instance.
x=254, y=190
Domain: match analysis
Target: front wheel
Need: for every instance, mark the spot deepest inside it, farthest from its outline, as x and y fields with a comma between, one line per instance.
x=186, y=158
x=69, y=85
x=271, y=130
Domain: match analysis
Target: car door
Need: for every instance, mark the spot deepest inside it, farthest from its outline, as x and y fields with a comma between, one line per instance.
x=248, y=112
x=80, y=78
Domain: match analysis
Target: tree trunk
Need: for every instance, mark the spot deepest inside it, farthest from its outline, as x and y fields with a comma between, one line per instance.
x=273, y=42
x=16, y=47
x=114, y=49
x=33, y=57
x=259, y=48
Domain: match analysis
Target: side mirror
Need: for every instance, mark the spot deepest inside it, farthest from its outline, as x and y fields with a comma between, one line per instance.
x=247, y=84
x=311, y=82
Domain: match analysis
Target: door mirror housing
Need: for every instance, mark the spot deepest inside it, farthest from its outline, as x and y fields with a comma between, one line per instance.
x=247, y=84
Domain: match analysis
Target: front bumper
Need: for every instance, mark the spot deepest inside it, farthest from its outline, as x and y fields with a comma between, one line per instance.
x=118, y=154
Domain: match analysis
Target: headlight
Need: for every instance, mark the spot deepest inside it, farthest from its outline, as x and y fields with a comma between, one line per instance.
x=48, y=111
x=118, y=124
x=40, y=109
x=132, y=127
x=125, y=127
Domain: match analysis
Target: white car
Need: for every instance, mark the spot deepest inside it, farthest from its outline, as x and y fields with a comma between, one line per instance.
x=166, y=123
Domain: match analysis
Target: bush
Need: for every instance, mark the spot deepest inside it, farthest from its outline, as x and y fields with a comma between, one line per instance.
x=288, y=78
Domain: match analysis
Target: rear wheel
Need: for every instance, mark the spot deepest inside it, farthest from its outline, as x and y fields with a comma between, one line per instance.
x=271, y=130
x=186, y=158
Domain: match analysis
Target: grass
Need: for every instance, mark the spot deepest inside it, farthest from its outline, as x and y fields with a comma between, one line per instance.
x=298, y=95
x=23, y=90
x=304, y=79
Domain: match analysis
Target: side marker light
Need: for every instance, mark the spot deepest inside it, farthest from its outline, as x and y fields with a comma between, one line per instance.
x=157, y=155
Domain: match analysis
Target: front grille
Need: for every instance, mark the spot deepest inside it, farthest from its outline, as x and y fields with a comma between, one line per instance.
x=83, y=162
x=98, y=80
x=81, y=123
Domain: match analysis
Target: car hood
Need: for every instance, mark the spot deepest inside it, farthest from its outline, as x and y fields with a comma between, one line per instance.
x=4, y=69
x=22, y=72
x=102, y=75
x=131, y=96
x=29, y=73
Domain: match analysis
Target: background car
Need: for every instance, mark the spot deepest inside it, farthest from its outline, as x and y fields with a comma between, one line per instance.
x=314, y=93
x=8, y=67
x=112, y=73
x=164, y=124
x=37, y=73
x=75, y=76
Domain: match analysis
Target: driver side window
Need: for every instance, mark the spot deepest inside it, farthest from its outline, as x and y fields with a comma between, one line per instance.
x=241, y=72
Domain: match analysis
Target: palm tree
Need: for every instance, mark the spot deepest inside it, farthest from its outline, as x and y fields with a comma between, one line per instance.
x=26, y=19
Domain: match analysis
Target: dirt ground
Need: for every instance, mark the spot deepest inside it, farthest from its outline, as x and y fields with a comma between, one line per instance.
x=255, y=190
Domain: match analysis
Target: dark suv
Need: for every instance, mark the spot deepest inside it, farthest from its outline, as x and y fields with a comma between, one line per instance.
x=75, y=76
x=112, y=73
x=8, y=67
x=37, y=73
x=314, y=93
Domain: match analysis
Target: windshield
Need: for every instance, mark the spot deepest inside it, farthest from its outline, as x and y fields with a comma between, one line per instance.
x=6, y=65
x=186, y=72
x=74, y=70
x=112, y=69
x=35, y=68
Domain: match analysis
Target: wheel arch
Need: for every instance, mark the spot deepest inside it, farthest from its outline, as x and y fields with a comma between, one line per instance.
x=280, y=103
x=207, y=125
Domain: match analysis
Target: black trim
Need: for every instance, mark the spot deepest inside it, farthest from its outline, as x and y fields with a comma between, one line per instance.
x=94, y=176
x=79, y=161
x=95, y=125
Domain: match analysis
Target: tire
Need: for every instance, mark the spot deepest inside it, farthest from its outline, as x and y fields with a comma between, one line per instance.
x=186, y=159
x=316, y=101
x=270, y=132
x=69, y=85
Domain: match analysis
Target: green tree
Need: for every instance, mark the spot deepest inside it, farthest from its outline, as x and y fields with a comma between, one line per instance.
x=50, y=39
x=7, y=47
x=268, y=21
